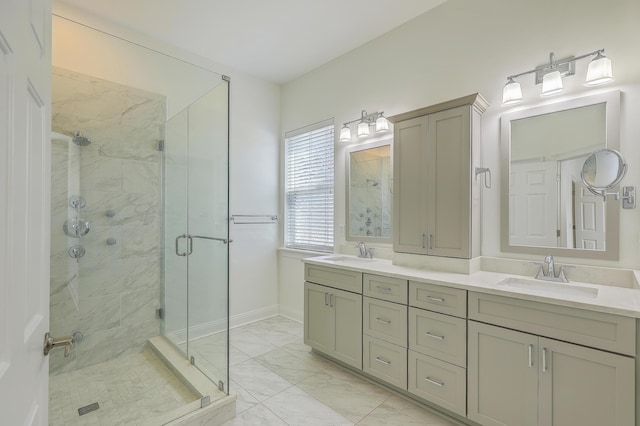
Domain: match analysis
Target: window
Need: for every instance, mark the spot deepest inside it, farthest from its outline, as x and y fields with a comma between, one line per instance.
x=309, y=187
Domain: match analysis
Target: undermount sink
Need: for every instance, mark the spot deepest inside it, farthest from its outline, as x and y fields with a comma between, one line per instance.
x=549, y=287
x=349, y=259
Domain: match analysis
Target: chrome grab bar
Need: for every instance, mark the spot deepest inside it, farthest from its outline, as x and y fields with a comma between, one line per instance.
x=224, y=240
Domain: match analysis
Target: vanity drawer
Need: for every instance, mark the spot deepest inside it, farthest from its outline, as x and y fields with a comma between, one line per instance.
x=385, y=320
x=342, y=279
x=385, y=361
x=595, y=329
x=437, y=381
x=441, y=336
x=446, y=300
x=385, y=288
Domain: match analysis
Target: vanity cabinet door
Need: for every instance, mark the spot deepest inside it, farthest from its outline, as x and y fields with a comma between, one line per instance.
x=583, y=386
x=432, y=199
x=333, y=323
x=449, y=188
x=410, y=185
x=317, y=317
x=347, y=327
x=502, y=376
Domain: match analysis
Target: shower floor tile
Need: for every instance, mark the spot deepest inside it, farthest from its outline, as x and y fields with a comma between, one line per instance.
x=130, y=390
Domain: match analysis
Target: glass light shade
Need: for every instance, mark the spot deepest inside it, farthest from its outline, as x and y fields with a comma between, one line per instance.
x=599, y=71
x=363, y=129
x=345, y=134
x=382, y=125
x=552, y=84
x=512, y=93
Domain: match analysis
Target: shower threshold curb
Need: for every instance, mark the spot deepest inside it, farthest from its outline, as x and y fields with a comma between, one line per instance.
x=222, y=407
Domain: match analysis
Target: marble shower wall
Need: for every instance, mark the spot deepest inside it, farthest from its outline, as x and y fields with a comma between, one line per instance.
x=112, y=293
x=370, y=198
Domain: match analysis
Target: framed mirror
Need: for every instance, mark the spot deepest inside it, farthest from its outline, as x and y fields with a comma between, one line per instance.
x=546, y=207
x=368, y=193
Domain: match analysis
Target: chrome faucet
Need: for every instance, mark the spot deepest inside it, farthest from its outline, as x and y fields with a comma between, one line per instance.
x=363, y=250
x=551, y=275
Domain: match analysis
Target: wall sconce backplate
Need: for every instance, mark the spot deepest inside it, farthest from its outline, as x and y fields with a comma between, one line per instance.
x=566, y=69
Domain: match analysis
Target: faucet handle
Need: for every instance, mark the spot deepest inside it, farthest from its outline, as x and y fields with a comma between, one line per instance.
x=561, y=274
x=540, y=269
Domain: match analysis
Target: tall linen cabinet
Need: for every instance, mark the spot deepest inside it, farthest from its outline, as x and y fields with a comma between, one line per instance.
x=436, y=198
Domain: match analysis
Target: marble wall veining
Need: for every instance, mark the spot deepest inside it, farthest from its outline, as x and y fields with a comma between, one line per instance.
x=370, y=198
x=112, y=293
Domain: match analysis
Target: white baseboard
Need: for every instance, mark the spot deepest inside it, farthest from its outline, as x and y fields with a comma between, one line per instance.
x=292, y=314
x=253, y=316
x=207, y=329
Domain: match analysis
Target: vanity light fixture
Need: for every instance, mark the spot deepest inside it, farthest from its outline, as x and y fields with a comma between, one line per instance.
x=551, y=75
x=366, y=120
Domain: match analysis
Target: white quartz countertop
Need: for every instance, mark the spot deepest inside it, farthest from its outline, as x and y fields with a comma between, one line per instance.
x=610, y=299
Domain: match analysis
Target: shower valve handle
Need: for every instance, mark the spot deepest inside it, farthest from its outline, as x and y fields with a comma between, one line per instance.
x=56, y=342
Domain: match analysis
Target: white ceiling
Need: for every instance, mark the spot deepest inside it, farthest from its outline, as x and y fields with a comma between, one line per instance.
x=276, y=40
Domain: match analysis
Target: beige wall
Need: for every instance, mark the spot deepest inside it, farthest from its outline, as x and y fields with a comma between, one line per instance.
x=466, y=46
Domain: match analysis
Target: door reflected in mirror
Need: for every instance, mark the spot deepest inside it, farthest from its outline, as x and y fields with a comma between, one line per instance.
x=547, y=203
x=369, y=194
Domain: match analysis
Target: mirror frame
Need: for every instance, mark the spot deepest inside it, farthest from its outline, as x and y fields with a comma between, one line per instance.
x=386, y=140
x=612, y=210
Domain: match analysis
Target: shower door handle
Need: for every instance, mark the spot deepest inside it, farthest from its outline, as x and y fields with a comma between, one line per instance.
x=190, y=242
x=177, y=240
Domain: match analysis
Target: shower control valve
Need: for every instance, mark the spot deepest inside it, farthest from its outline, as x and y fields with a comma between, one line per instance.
x=56, y=342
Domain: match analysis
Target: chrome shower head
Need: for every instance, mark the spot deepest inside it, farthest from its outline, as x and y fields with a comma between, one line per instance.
x=80, y=140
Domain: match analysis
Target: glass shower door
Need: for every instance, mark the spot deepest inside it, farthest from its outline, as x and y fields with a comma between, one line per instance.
x=197, y=232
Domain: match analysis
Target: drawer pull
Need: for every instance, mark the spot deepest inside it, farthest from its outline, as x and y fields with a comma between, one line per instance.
x=379, y=287
x=434, y=299
x=544, y=360
x=383, y=321
x=530, y=355
x=434, y=382
x=434, y=336
x=383, y=361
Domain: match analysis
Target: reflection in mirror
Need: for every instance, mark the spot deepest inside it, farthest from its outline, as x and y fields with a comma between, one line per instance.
x=547, y=204
x=369, y=193
x=603, y=170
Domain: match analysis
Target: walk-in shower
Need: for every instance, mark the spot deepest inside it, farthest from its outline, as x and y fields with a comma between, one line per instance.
x=139, y=244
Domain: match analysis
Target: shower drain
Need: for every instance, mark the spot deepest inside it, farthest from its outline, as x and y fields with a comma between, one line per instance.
x=88, y=408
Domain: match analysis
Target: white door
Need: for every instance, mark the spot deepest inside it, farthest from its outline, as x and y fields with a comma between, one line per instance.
x=589, y=219
x=533, y=204
x=25, y=116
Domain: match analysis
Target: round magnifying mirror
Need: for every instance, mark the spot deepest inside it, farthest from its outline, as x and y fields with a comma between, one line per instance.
x=603, y=169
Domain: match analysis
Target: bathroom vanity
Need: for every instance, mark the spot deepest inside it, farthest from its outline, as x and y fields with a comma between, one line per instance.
x=483, y=348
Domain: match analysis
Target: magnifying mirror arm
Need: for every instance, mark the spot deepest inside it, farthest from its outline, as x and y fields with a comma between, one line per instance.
x=616, y=195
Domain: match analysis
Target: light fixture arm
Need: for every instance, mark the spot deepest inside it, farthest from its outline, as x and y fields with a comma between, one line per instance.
x=366, y=118
x=554, y=64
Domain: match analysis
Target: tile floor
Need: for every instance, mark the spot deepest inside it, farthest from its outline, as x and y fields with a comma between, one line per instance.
x=277, y=379
x=131, y=390
x=280, y=382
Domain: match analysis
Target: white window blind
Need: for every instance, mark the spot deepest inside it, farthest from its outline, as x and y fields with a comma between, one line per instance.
x=309, y=188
